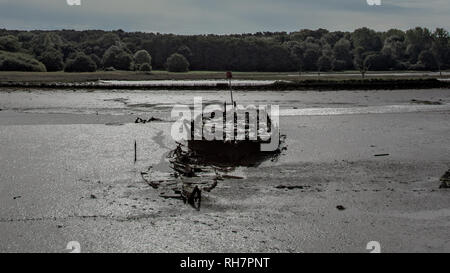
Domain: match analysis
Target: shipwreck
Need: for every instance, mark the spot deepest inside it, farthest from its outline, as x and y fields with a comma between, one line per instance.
x=216, y=141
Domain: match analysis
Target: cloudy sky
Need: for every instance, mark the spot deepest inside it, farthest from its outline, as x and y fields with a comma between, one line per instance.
x=222, y=16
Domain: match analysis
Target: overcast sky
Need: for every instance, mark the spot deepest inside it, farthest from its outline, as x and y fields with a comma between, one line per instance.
x=224, y=16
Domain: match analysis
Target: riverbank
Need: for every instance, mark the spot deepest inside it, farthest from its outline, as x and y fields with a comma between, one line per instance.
x=247, y=85
x=49, y=77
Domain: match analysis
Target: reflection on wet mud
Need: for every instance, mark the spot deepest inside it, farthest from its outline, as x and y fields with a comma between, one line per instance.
x=184, y=173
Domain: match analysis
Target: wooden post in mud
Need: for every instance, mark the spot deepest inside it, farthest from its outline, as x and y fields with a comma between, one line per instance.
x=224, y=121
x=231, y=91
x=192, y=130
x=247, y=126
x=257, y=124
x=135, y=152
x=229, y=77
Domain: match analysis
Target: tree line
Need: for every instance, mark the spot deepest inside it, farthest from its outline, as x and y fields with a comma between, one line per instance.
x=305, y=50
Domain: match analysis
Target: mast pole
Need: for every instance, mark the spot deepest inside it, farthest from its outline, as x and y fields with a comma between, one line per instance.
x=231, y=92
x=229, y=77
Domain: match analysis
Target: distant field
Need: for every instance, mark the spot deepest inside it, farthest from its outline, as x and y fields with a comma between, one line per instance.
x=46, y=77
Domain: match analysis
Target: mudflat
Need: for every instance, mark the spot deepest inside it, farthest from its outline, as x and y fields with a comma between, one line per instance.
x=360, y=166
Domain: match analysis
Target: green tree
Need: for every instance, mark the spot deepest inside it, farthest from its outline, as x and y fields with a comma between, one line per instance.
x=378, y=62
x=81, y=63
x=185, y=51
x=418, y=40
x=296, y=52
x=96, y=59
x=395, y=47
x=331, y=38
x=325, y=64
x=177, y=63
x=366, y=39
x=359, y=61
x=264, y=51
x=310, y=59
x=145, y=67
x=68, y=50
x=52, y=60
x=108, y=40
x=342, y=52
x=394, y=32
x=441, y=47
x=339, y=65
x=45, y=42
x=99, y=45
x=427, y=59
x=118, y=58
x=12, y=61
x=9, y=43
x=142, y=57
x=25, y=39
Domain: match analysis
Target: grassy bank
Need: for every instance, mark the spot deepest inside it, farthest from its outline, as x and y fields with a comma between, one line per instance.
x=285, y=81
x=318, y=85
x=47, y=77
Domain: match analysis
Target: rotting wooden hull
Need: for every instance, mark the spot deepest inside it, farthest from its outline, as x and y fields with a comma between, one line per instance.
x=242, y=137
x=228, y=150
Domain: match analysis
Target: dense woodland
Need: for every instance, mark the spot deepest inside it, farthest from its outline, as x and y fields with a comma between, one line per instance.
x=305, y=50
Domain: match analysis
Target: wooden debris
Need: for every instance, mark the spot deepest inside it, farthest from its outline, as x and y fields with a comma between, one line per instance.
x=170, y=196
x=192, y=195
x=381, y=155
x=194, y=172
x=445, y=179
x=426, y=102
x=144, y=121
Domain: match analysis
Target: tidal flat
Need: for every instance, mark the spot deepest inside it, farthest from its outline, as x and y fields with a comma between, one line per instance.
x=67, y=174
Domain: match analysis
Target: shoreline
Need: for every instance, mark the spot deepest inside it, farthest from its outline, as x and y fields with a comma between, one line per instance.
x=305, y=85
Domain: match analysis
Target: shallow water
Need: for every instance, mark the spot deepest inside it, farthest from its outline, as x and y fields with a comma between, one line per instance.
x=160, y=103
